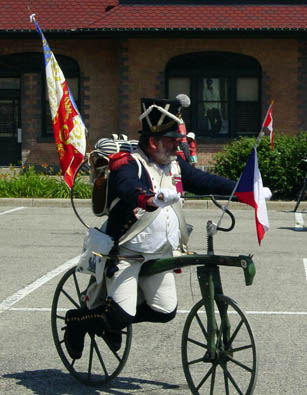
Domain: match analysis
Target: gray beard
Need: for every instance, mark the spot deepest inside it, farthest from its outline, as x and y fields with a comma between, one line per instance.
x=162, y=157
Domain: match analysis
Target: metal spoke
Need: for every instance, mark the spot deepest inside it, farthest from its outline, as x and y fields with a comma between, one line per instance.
x=202, y=326
x=235, y=332
x=197, y=343
x=70, y=298
x=231, y=379
x=205, y=378
x=226, y=382
x=90, y=361
x=111, y=349
x=212, y=380
x=241, y=348
x=195, y=361
x=94, y=345
x=77, y=287
x=241, y=365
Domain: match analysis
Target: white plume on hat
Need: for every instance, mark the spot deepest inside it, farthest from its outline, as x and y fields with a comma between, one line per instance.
x=191, y=135
x=184, y=100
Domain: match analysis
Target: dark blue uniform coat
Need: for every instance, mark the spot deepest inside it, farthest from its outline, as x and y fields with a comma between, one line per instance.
x=134, y=191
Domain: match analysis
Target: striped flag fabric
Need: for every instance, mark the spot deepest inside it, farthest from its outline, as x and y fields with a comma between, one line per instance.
x=250, y=191
x=268, y=123
x=68, y=127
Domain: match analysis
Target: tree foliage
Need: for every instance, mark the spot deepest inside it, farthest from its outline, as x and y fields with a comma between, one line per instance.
x=280, y=168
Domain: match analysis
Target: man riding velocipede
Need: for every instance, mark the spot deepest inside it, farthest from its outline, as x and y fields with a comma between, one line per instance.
x=147, y=220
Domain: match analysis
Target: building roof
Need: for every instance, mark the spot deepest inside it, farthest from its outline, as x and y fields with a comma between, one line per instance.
x=128, y=16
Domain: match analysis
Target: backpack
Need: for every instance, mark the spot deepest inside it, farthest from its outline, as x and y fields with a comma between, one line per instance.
x=100, y=169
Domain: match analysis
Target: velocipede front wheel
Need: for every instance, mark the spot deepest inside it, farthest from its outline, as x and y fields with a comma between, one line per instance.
x=233, y=369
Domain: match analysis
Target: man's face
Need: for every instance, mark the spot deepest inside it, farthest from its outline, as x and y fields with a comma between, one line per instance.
x=165, y=150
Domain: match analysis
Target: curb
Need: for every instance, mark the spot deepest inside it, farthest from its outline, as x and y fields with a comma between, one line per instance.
x=271, y=205
x=33, y=202
x=190, y=204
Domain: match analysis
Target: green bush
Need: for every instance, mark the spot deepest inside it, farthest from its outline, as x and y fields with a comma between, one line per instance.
x=32, y=184
x=279, y=168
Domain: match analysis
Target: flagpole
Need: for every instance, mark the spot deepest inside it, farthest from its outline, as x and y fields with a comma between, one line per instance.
x=229, y=200
x=260, y=135
x=90, y=156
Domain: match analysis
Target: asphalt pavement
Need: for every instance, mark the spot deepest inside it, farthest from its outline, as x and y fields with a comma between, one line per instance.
x=40, y=240
x=189, y=203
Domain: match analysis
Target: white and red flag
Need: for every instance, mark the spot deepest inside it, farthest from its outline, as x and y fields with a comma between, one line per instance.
x=250, y=191
x=68, y=127
x=268, y=123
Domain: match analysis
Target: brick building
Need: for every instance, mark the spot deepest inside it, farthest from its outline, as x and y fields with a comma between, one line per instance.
x=231, y=57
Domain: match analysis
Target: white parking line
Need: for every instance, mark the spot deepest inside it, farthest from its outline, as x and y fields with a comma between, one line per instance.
x=22, y=293
x=13, y=209
x=256, y=312
x=48, y=309
x=299, y=221
x=305, y=266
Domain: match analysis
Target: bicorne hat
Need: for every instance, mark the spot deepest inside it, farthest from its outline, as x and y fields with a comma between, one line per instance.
x=163, y=117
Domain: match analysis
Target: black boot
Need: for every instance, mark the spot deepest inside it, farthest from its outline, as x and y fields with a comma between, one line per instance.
x=114, y=339
x=105, y=321
x=144, y=313
x=78, y=323
x=117, y=319
x=74, y=333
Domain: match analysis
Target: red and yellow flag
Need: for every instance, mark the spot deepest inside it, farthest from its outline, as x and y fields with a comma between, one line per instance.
x=68, y=127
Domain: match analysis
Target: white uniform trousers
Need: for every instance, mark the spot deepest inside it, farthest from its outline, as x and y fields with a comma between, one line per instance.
x=129, y=290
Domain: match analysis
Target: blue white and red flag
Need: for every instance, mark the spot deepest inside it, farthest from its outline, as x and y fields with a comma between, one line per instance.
x=250, y=191
x=68, y=127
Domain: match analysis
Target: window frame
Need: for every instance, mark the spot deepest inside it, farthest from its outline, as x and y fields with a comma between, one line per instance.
x=16, y=64
x=180, y=67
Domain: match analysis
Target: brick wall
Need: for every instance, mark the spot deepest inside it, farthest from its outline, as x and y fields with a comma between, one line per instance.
x=302, y=86
x=206, y=153
x=30, y=114
x=116, y=73
x=123, y=86
x=147, y=60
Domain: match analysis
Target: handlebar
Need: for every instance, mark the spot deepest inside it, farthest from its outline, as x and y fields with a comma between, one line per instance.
x=223, y=208
x=227, y=211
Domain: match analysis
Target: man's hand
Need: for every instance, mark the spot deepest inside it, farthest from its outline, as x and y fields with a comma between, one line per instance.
x=267, y=193
x=165, y=197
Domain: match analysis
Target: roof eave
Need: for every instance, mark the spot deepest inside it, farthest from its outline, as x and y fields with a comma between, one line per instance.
x=155, y=32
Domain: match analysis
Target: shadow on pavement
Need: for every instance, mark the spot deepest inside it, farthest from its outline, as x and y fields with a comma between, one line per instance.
x=56, y=382
x=293, y=229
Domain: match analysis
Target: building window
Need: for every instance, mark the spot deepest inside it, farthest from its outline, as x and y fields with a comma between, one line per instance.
x=247, y=106
x=9, y=106
x=12, y=67
x=224, y=91
x=9, y=83
x=213, y=106
x=177, y=86
x=9, y=111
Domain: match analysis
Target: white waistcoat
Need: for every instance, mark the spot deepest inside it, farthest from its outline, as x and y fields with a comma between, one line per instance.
x=154, y=229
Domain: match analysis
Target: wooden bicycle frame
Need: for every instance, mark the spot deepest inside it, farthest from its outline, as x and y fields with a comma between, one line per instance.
x=210, y=284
